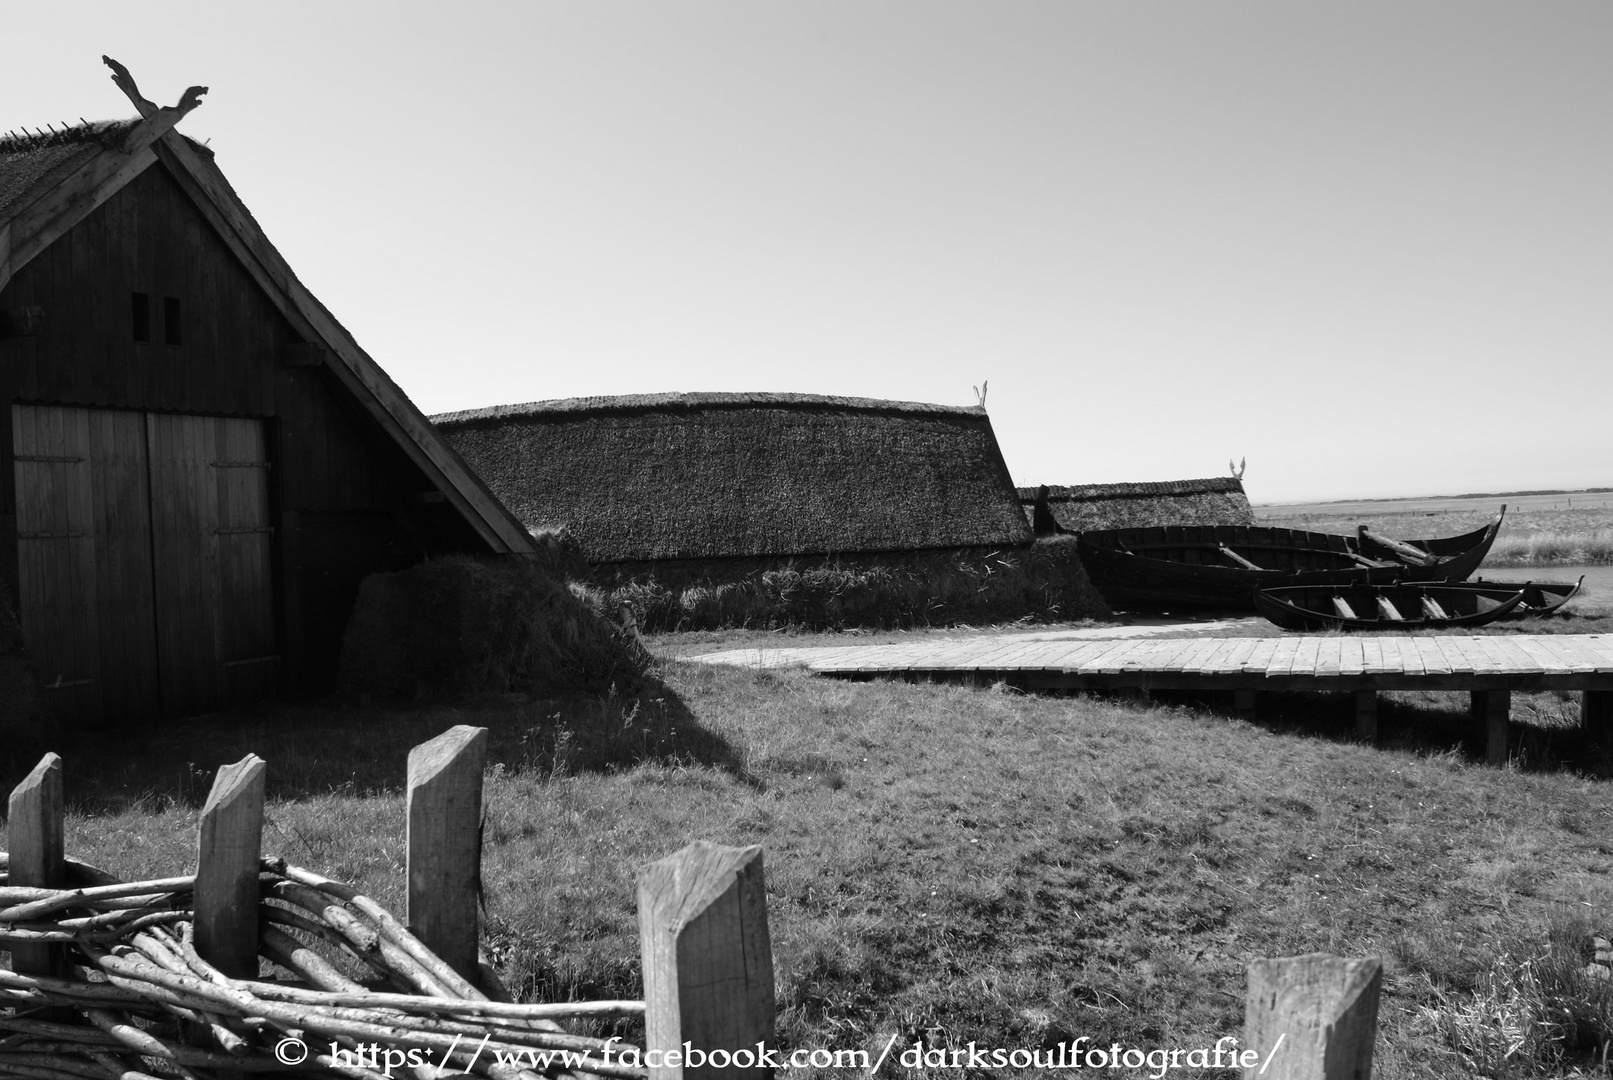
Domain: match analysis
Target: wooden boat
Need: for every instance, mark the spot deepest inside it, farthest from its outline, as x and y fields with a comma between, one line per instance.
x=1419, y=606
x=1219, y=567
x=1539, y=597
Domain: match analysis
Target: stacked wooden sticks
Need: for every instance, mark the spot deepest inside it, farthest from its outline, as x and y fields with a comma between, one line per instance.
x=129, y=979
x=139, y=994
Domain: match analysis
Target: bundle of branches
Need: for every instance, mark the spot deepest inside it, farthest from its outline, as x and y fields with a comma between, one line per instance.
x=131, y=998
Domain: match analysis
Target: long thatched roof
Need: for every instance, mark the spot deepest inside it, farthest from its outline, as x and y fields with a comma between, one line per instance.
x=1215, y=500
x=702, y=476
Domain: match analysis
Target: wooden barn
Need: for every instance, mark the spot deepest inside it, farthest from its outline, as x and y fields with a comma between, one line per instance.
x=1215, y=500
x=665, y=478
x=197, y=463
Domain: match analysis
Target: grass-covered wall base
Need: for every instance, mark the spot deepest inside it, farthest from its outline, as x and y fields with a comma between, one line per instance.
x=1043, y=581
x=458, y=626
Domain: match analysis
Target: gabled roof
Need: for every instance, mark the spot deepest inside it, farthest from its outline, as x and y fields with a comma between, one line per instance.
x=51, y=180
x=705, y=476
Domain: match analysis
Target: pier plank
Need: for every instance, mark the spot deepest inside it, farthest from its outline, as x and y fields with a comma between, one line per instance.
x=1150, y=655
x=1232, y=661
x=1372, y=662
x=1190, y=659
x=1305, y=656
x=1095, y=663
x=1259, y=659
x=1079, y=653
x=1601, y=647
x=1411, y=661
x=1114, y=663
x=1179, y=660
x=1433, y=659
x=1513, y=659
x=1547, y=661
x=1210, y=662
x=1477, y=658
x=1455, y=656
x=1389, y=656
x=1578, y=652
x=1036, y=654
x=1328, y=653
x=1283, y=658
x=1352, y=656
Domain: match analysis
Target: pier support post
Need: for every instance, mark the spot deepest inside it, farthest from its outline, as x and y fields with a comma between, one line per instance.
x=1366, y=715
x=1596, y=716
x=1494, y=709
x=1244, y=702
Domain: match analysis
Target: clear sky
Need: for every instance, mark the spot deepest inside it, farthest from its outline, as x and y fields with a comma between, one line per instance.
x=1367, y=246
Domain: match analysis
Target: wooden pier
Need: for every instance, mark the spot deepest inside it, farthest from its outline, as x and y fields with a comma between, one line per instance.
x=1490, y=668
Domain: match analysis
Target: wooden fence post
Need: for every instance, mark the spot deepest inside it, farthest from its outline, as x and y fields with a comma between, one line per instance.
x=1493, y=708
x=708, y=959
x=1596, y=715
x=1366, y=715
x=229, y=849
x=445, y=845
x=38, y=856
x=1312, y=1017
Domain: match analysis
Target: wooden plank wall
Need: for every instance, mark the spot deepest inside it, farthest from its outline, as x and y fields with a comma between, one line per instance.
x=342, y=499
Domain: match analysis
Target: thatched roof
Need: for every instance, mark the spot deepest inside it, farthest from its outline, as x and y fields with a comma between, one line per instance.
x=700, y=476
x=1214, y=500
x=31, y=163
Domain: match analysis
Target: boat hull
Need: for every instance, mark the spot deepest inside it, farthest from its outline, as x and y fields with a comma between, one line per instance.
x=1426, y=606
x=1219, y=567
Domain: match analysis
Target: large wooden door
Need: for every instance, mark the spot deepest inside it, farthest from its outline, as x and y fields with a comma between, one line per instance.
x=84, y=559
x=144, y=560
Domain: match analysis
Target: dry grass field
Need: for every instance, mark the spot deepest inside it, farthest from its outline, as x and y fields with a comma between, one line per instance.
x=950, y=864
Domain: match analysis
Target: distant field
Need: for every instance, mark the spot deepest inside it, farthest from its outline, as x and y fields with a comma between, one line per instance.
x=1540, y=530
x=1489, y=504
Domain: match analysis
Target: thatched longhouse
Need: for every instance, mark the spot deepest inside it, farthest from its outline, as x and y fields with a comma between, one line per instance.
x=658, y=477
x=1215, y=500
x=706, y=510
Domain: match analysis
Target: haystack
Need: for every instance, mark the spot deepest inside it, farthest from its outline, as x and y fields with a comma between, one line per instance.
x=457, y=626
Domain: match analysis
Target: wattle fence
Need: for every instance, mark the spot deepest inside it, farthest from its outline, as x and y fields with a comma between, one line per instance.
x=161, y=978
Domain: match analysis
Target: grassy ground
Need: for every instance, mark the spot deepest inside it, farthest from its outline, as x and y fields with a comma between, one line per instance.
x=947, y=864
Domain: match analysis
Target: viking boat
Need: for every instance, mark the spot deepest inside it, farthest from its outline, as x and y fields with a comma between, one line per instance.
x=1539, y=597
x=1406, y=606
x=1219, y=567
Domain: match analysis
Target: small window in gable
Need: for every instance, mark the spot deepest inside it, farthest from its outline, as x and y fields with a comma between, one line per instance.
x=140, y=308
x=171, y=333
